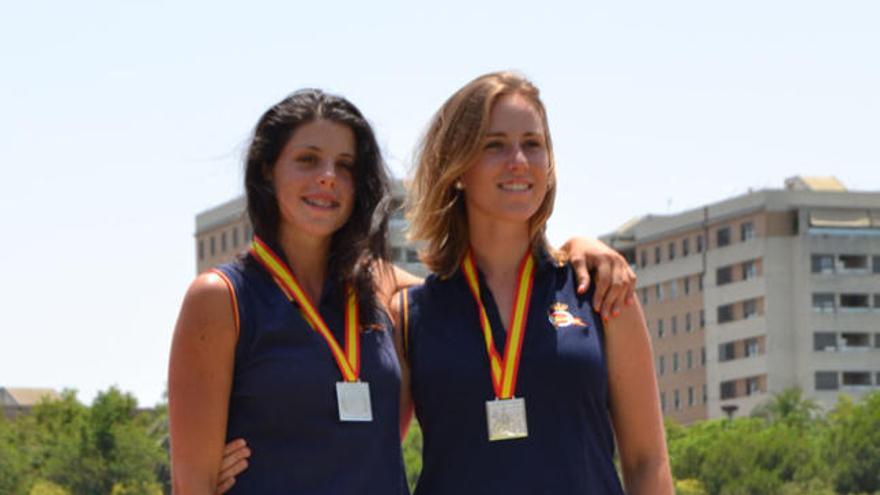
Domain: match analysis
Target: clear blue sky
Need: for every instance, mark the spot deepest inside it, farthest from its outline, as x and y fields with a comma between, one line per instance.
x=119, y=121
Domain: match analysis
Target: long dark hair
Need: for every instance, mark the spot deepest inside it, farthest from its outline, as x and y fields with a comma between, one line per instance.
x=362, y=241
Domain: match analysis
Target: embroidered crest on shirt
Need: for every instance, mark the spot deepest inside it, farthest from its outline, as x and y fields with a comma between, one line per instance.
x=560, y=317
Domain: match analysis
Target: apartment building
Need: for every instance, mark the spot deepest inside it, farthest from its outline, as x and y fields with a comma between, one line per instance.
x=758, y=293
x=223, y=232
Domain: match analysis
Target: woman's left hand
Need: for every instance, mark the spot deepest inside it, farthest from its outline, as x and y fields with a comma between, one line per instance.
x=615, y=280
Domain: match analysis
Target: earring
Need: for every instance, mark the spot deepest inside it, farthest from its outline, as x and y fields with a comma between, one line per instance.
x=459, y=185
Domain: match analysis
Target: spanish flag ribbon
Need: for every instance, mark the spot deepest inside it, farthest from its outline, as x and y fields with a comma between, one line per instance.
x=349, y=360
x=504, y=370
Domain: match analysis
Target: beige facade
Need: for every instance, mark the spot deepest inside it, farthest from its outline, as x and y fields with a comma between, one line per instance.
x=18, y=401
x=781, y=288
x=223, y=232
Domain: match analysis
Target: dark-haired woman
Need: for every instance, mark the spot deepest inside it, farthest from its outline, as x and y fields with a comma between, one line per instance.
x=289, y=347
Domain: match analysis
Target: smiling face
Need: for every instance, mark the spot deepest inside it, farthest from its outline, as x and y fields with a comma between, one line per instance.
x=313, y=179
x=509, y=176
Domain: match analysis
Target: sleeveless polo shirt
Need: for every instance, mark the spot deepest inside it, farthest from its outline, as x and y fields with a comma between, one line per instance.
x=283, y=399
x=562, y=376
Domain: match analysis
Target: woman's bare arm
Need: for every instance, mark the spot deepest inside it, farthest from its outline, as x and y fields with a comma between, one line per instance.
x=199, y=384
x=406, y=402
x=635, y=407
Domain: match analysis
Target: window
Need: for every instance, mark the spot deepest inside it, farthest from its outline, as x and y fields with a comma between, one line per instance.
x=201, y=249
x=644, y=292
x=753, y=386
x=856, y=379
x=673, y=324
x=685, y=247
x=854, y=302
x=412, y=256
x=689, y=359
x=877, y=342
x=702, y=318
x=822, y=263
x=824, y=341
x=657, y=255
x=659, y=290
x=728, y=389
x=687, y=322
x=853, y=262
x=699, y=244
x=671, y=251
x=687, y=285
x=248, y=233
x=855, y=340
x=235, y=237
x=705, y=394
x=749, y=270
x=673, y=289
x=875, y=262
x=823, y=302
x=750, y=308
x=643, y=258
x=876, y=301
x=661, y=365
x=751, y=347
x=725, y=313
x=726, y=352
x=660, y=329
x=826, y=380
x=223, y=242
x=722, y=236
x=213, y=250
x=746, y=231
x=703, y=356
x=675, y=362
x=690, y=396
x=663, y=401
x=676, y=400
x=700, y=282
x=724, y=275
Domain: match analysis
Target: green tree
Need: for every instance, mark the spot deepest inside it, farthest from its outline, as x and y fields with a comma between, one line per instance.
x=13, y=465
x=412, y=453
x=853, y=444
x=790, y=407
x=92, y=450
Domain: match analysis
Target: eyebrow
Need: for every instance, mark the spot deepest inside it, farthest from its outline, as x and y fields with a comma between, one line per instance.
x=312, y=147
x=504, y=135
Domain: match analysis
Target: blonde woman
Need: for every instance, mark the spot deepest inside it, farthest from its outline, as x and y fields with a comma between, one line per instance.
x=518, y=385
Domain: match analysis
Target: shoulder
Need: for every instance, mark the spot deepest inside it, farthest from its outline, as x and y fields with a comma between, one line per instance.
x=210, y=304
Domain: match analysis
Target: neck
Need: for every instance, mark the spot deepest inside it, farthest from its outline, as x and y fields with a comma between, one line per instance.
x=498, y=247
x=307, y=256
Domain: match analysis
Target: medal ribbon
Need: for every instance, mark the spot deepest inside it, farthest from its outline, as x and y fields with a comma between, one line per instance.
x=349, y=359
x=504, y=370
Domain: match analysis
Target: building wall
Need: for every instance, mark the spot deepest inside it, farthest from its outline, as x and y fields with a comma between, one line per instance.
x=771, y=312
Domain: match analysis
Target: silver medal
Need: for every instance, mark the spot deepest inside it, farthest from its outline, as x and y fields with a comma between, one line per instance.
x=506, y=419
x=353, y=399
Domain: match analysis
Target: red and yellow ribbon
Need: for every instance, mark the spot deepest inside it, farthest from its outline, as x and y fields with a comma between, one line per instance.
x=349, y=360
x=504, y=370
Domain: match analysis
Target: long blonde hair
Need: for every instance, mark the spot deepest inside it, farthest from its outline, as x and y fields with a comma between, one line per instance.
x=436, y=208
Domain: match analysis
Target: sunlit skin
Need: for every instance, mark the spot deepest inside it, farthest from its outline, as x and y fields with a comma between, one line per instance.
x=508, y=180
x=314, y=184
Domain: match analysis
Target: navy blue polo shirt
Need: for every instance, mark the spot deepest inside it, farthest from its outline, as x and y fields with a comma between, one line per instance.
x=283, y=399
x=562, y=377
